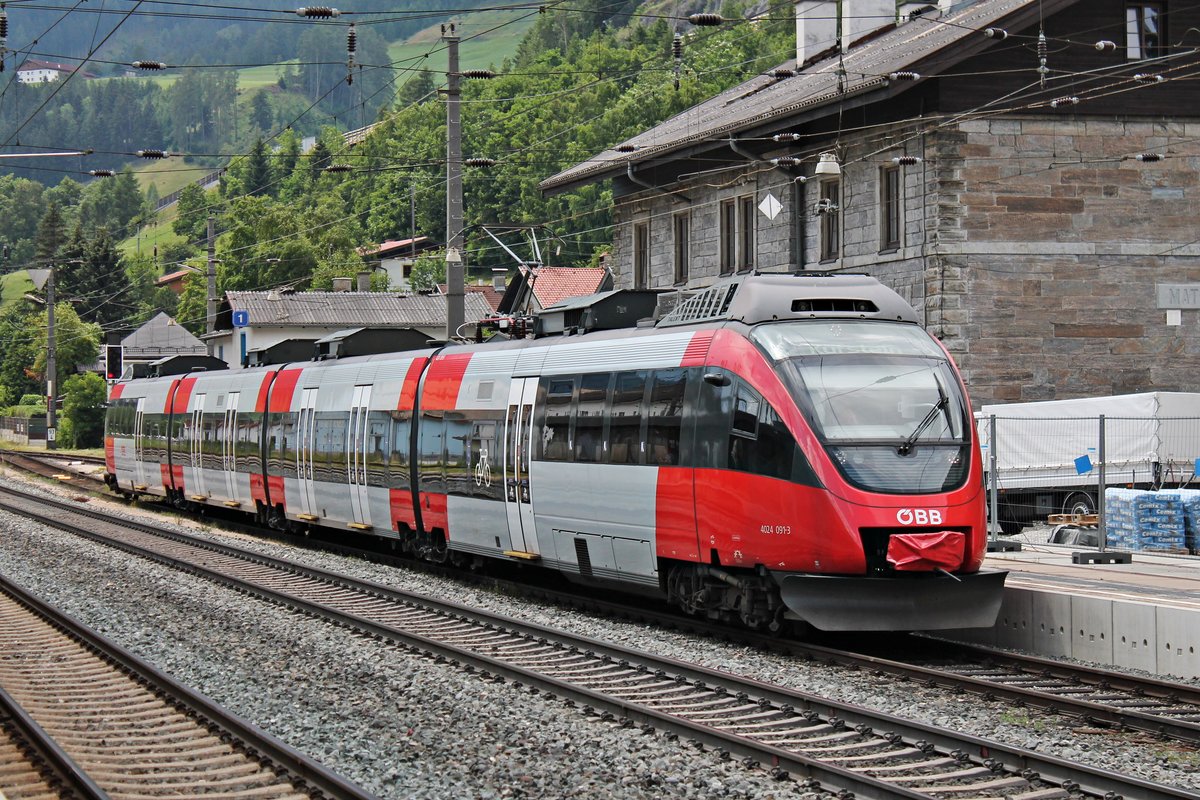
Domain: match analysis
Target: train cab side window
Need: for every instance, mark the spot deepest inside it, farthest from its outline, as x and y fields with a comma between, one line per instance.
x=760, y=442
x=556, y=430
x=589, y=418
x=625, y=418
x=665, y=417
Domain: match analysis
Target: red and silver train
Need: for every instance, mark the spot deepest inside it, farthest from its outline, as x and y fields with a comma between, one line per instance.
x=778, y=447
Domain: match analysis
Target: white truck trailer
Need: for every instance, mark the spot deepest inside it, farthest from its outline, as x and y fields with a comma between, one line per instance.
x=1048, y=454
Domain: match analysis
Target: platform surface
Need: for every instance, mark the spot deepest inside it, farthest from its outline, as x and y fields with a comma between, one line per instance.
x=1144, y=615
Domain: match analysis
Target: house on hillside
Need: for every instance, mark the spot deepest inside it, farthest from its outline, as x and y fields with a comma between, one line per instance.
x=256, y=321
x=397, y=258
x=34, y=71
x=159, y=338
x=1022, y=171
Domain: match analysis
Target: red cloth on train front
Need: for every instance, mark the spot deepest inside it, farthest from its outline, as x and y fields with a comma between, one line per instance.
x=925, y=552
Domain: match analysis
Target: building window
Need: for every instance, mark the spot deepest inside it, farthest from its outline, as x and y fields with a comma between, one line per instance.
x=889, y=208
x=1143, y=31
x=830, y=213
x=746, y=232
x=728, y=236
x=682, y=245
x=641, y=255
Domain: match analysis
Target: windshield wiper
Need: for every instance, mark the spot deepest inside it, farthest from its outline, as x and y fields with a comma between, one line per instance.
x=906, y=448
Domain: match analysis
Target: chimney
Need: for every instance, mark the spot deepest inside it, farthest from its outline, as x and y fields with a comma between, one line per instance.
x=364, y=281
x=341, y=284
x=499, y=279
x=816, y=27
x=860, y=17
x=820, y=24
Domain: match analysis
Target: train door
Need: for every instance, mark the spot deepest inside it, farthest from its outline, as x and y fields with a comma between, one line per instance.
x=356, y=456
x=518, y=435
x=196, y=448
x=139, y=445
x=306, y=436
x=229, y=445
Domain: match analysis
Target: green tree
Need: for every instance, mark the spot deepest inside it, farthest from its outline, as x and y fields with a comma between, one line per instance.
x=18, y=343
x=51, y=236
x=258, y=170
x=260, y=111
x=77, y=343
x=428, y=271
x=192, y=210
x=83, y=410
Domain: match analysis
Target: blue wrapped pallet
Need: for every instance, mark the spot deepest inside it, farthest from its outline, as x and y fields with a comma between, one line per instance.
x=1142, y=520
x=1189, y=500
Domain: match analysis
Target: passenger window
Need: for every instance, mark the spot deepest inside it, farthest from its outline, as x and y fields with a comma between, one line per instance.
x=589, y=418
x=625, y=418
x=665, y=417
x=555, y=441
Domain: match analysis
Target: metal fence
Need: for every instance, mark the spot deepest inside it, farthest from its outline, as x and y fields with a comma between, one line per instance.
x=23, y=430
x=1132, y=481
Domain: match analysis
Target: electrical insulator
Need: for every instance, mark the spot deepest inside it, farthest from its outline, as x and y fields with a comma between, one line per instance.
x=1105, y=44
x=338, y=168
x=904, y=76
x=1149, y=158
x=148, y=65
x=906, y=161
x=351, y=46
x=318, y=12
x=101, y=173
x=782, y=72
x=1043, y=70
x=480, y=162
x=703, y=20
x=786, y=161
x=1145, y=77
x=996, y=33
x=677, y=53
x=786, y=137
x=1064, y=101
x=478, y=74
x=152, y=153
x=625, y=148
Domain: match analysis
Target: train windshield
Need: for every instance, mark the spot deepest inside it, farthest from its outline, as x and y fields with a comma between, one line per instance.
x=881, y=396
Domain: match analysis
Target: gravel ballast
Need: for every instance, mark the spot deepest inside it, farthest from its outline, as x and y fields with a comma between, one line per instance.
x=404, y=726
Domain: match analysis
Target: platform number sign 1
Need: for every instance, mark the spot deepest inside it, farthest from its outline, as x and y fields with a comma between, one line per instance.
x=241, y=319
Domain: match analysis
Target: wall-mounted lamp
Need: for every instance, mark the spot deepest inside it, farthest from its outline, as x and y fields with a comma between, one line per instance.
x=827, y=164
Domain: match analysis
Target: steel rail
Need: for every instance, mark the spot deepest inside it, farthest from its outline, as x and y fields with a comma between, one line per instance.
x=75, y=782
x=311, y=772
x=987, y=754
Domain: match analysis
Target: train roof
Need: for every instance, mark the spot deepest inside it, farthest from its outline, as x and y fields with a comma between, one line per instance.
x=756, y=298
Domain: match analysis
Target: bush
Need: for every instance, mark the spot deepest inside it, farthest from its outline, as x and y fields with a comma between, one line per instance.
x=83, y=410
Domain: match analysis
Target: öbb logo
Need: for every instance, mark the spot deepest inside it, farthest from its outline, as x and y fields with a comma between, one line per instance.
x=919, y=516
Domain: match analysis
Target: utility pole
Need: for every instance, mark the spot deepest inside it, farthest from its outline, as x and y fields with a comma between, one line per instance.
x=455, y=311
x=51, y=367
x=212, y=279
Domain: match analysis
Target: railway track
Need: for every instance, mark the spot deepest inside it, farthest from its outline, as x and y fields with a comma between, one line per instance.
x=51, y=466
x=840, y=747
x=94, y=719
x=1099, y=698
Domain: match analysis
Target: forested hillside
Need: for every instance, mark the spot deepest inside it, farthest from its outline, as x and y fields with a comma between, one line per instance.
x=582, y=80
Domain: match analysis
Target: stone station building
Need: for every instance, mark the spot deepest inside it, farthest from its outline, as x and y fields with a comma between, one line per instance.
x=1043, y=221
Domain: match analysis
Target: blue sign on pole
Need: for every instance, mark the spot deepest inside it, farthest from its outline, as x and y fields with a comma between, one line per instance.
x=241, y=319
x=1083, y=464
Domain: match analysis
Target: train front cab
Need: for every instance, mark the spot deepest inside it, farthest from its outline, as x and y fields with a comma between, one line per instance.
x=889, y=493
x=135, y=437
